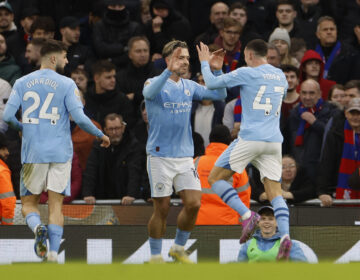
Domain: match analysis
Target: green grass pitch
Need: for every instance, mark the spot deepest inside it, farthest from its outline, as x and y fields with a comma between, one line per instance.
x=203, y=271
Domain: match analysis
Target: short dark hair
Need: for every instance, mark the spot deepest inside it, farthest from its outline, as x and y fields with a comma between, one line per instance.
x=230, y=22
x=102, y=66
x=331, y=91
x=296, y=45
x=220, y=134
x=237, y=5
x=353, y=84
x=286, y=2
x=290, y=68
x=112, y=117
x=43, y=23
x=80, y=71
x=259, y=46
x=171, y=46
x=52, y=46
x=134, y=39
x=38, y=42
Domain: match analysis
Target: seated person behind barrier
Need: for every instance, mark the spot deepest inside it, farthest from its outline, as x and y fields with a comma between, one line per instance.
x=113, y=173
x=338, y=168
x=295, y=183
x=264, y=245
x=213, y=210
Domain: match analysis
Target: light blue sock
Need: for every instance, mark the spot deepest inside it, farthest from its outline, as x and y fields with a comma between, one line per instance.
x=155, y=245
x=181, y=237
x=229, y=195
x=55, y=234
x=281, y=212
x=33, y=220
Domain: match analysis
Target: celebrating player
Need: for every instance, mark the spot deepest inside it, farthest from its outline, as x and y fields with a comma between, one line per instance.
x=262, y=88
x=46, y=99
x=170, y=148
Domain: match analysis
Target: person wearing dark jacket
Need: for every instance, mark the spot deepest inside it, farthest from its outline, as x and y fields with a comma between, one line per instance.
x=305, y=127
x=295, y=183
x=132, y=78
x=113, y=173
x=111, y=34
x=9, y=70
x=339, y=57
x=167, y=24
x=103, y=97
x=339, y=161
x=312, y=67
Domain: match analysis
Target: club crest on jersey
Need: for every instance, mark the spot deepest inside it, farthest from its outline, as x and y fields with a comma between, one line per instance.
x=187, y=92
x=77, y=93
x=160, y=187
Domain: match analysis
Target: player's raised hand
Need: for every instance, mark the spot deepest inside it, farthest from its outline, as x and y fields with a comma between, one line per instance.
x=105, y=141
x=217, y=59
x=203, y=52
x=175, y=62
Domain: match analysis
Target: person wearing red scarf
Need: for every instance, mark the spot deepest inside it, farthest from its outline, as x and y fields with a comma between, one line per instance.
x=304, y=128
x=339, y=166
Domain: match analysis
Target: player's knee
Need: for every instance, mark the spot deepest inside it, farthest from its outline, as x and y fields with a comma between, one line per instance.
x=193, y=206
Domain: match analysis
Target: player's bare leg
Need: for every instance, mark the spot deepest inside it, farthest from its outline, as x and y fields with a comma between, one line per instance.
x=31, y=213
x=185, y=224
x=157, y=227
x=218, y=179
x=56, y=224
x=281, y=211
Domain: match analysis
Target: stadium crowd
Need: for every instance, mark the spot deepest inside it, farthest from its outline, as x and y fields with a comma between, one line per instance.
x=114, y=46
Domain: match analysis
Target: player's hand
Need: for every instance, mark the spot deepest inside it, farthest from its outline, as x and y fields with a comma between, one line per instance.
x=156, y=24
x=217, y=59
x=130, y=95
x=287, y=195
x=105, y=141
x=326, y=200
x=175, y=62
x=156, y=56
x=127, y=200
x=308, y=117
x=263, y=196
x=89, y=199
x=203, y=52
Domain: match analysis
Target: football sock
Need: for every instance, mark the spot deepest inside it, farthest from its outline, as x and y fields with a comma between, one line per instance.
x=155, y=245
x=281, y=212
x=33, y=220
x=55, y=234
x=181, y=237
x=230, y=196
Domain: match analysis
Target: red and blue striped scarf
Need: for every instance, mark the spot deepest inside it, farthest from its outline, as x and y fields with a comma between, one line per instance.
x=234, y=62
x=350, y=158
x=299, y=141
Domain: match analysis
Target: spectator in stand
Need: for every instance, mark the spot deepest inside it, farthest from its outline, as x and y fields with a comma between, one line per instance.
x=305, y=127
x=75, y=183
x=78, y=55
x=339, y=57
x=218, y=12
x=43, y=27
x=312, y=67
x=103, y=97
x=298, y=48
x=280, y=38
x=295, y=183
x=17, y=42
x=167, y=24
x=5, y=90
x=262, y=15
x=292, y=97
x=81, y=79
x=286, y=15
x=273, y=56
x=7, y=25
x=339, y=163
x=111, y=34
x=9, y=70
x=82, y=141
x=213, y=211
x=32, y=54
x=132, y=78
x=228, y=40
x=308, y=13
x=248, y=32
x=7, y=195
x=337, y=95
x=114, y=173
x=144, y=15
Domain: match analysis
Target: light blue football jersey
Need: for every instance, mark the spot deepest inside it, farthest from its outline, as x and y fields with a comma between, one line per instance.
x=262, y=90
x=168, y=106
x=45, y=98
